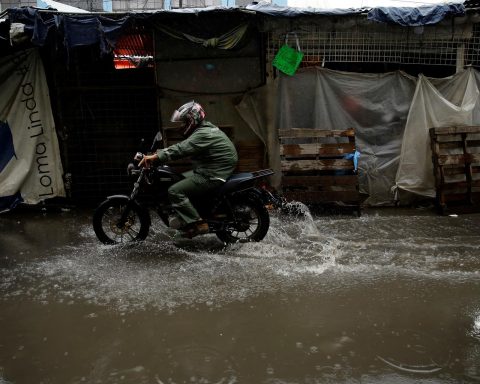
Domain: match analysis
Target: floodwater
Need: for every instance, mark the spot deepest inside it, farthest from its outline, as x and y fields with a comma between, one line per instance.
x=390, y=297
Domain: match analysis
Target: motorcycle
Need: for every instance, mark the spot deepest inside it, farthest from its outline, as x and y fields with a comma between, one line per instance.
x=237, y=211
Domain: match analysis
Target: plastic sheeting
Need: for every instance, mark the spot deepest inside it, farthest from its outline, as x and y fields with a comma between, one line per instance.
x=284, y=11
x=88, y=29
x=416, y=16
x=375, y=105
x=78, y=30
x=436, y=103
x=391, y=114
x=405, y=16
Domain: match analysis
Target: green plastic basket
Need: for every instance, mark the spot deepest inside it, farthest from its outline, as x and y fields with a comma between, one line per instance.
x=287, y=58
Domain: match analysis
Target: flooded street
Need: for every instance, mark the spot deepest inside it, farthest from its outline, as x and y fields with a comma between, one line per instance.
x=390, y=297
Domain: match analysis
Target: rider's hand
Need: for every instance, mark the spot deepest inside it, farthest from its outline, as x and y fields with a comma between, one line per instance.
x=147, y=159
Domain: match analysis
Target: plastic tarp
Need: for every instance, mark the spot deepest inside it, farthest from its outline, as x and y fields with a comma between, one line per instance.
x=284, y=11
x=391, y=114
x=91, y=30
x=436, y=103
x=375, y=105
x=405, y=16
x=77, y=30
x=88, y=29
x=416, y=16
x=30, y=164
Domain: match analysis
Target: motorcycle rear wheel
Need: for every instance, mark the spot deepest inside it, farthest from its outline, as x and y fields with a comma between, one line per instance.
x=106, y=222
x=249, y=221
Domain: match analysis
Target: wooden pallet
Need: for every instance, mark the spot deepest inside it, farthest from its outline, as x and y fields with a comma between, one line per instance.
x=314, y=167
x=456, y=166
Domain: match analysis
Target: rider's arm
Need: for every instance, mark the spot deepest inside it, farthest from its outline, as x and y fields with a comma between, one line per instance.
x=187, y=147
x=191, y=146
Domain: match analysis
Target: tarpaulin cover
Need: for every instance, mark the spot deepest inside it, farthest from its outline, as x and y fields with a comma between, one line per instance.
x=406, y=16
x=30, y=165
x=436, y=103
x=375, y=105
x=77, y=30
x=80, y=31
x=35, y=25
x=95, y=29
x=391, y=114
x=416, y=16
x=284, y=11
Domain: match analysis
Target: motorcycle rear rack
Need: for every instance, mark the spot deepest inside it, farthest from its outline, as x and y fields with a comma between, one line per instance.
x=262, y=173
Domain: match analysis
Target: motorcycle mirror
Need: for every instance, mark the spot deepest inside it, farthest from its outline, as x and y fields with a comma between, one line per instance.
x=157, y=139
x=141, y=145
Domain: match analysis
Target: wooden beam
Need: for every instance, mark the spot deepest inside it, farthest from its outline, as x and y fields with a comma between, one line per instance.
x=458, y=159
x=314, y=132
x=317, y=165
x=318, y=149
x=454, y=130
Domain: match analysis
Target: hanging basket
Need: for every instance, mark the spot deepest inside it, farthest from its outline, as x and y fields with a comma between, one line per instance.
x=287, y=58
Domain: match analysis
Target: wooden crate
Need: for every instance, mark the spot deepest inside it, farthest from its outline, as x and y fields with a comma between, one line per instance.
x=456, y=166
x=251, y=156
x=315, y=169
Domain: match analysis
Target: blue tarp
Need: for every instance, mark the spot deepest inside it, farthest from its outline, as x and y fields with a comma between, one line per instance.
x=91, y=29
x=78, y=30
x=411, y=17
x=277, y=10
x=405, y=16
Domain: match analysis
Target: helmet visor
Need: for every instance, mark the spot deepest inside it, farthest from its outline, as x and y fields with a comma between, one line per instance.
x=176, y=116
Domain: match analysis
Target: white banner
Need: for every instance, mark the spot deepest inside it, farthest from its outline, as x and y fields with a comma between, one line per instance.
x=30, y=164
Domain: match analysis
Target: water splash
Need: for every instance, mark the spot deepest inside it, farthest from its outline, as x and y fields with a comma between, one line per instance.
x=166, y=273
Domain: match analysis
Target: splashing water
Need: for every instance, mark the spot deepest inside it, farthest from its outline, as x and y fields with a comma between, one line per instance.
x=165, y=273
x=298, y=248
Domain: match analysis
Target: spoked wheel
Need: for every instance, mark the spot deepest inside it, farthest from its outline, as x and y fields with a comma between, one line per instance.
x=109, y=227
x=249, y=222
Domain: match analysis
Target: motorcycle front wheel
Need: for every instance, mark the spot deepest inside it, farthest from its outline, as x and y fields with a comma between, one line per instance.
x=248, y=221
x=109, y=227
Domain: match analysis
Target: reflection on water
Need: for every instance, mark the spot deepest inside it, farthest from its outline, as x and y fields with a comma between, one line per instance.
x=387, y=297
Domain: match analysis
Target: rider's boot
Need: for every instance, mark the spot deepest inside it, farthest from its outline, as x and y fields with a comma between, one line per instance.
x=198, y=228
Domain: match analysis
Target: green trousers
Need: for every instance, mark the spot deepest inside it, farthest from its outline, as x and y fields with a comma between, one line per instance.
x=191, y=187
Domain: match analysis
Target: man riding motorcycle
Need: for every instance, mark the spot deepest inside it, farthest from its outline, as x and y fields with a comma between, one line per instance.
x=214, y=159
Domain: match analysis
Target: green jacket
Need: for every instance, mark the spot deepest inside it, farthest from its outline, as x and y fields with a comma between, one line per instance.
x=213, y=154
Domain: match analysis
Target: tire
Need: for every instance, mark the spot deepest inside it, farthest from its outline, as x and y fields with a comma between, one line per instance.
x=248, y=221
x=107, y=215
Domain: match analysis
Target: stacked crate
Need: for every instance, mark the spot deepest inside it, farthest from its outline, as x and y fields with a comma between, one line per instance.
x=318, y=167
x=456, y=166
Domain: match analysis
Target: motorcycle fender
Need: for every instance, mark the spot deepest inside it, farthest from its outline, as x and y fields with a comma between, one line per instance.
x=259, y=194
x=119, y=197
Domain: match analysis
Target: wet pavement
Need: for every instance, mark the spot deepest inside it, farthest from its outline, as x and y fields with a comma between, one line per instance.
x=390, y=297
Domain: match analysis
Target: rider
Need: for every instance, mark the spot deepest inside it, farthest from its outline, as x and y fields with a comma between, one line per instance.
x=214, y=159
